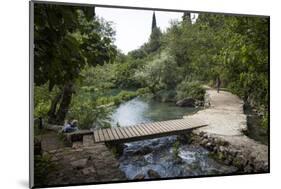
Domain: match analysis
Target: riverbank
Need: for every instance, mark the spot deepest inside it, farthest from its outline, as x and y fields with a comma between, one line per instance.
x=225, y=137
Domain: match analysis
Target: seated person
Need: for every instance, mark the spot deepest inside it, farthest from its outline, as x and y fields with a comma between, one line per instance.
x=70, y=126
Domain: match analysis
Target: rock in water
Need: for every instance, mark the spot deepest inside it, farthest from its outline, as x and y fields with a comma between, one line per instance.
x=153, y=174
x=139, y=177
x=143, y=151
x=187, y=102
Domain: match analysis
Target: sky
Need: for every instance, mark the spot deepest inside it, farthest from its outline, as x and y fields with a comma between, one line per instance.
x=133, y=27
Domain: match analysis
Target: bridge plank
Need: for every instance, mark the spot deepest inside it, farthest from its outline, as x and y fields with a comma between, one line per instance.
x=186, y=123
x=143, y=126
x=148, y=128
x=152, y=127
x=181, y=125
x=132, y=131
x=99, y=131
x=168, y=125
x=96, y=136
x=114, y=133
x=119, y=133
x=121, y=129
x=145, y=131
x=128, y=132
x=158, y=127
x=163, y=126
x=110, y=134
x=135, y=130
x=105, y=134
x=166, y=129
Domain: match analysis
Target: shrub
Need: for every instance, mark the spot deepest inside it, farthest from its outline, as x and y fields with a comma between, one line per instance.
x=190, y=89
x=264, y=122
x=89, y=114
x=42, y=167
x=176, y=151
x=142, y=91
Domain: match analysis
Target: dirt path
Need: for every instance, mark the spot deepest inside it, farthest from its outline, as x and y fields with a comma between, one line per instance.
x=226, y=121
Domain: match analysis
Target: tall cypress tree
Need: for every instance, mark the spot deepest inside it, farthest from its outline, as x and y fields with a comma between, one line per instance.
x=154, y=25
x=186, y=17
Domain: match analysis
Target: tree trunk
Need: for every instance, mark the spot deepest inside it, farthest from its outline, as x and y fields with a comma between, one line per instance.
x=68, y=90
x=53, y=109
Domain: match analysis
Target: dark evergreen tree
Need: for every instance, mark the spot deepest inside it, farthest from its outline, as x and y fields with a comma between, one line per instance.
x=154, y=25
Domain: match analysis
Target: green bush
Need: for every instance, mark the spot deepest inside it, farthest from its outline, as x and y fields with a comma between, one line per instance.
x=190, y=90
x=176, y=149
x=142, y=91
x=265, y=120
x=89, y=114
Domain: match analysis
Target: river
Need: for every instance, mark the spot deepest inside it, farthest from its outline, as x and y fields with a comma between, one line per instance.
x=158, y=154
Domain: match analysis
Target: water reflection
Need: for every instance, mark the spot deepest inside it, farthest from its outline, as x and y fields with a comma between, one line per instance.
x=141, y=110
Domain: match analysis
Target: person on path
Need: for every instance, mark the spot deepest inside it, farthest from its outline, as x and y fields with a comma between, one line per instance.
x=218, y=84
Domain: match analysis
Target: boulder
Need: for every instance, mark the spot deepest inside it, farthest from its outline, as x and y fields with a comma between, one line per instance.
x=153, y=174
x=187, y=102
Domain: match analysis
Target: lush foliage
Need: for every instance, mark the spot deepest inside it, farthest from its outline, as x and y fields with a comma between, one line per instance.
x=67, y=38
x=80, y=73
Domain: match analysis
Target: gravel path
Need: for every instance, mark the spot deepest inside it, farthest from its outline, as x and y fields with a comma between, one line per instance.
x=226, y=121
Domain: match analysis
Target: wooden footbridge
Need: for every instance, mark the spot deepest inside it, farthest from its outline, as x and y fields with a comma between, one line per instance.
x=146, y=130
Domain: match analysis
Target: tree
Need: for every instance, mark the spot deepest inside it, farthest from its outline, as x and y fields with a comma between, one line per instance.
x=159, y=73
x=67, y=38
x=153, y=25
x=186, y=17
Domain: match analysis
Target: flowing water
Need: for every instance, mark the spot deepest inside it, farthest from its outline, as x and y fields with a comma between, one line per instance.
x=158, y=154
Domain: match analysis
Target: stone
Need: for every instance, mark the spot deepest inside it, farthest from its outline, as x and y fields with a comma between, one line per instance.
x=139, y=177
x=215, y=149
x=204, y=141
x=205, y=135
x=54, y=158
x=143, y=151
x=199, y=103
x=153, y=174
x=79, y=163
x=85, y=171
x=221, y=149
x=88, y=170
x=201, y=134
x=187, y=102
x=248, y=168
x=77, y=145
x=209, y=145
